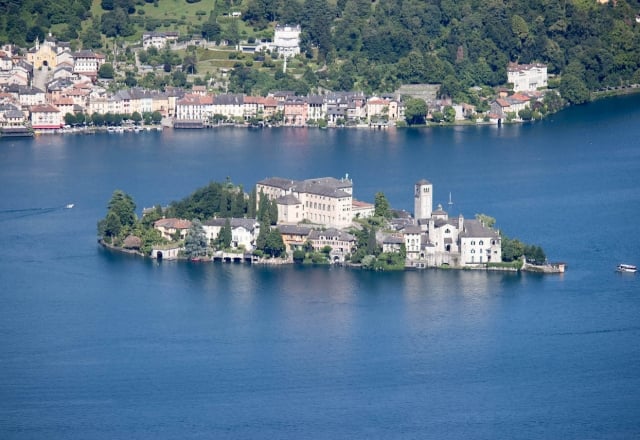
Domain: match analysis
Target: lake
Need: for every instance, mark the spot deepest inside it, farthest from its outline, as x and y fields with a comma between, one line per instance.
x=98, y=345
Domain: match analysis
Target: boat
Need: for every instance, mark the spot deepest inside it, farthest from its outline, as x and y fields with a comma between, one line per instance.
x=69, y=206
x=626, y=268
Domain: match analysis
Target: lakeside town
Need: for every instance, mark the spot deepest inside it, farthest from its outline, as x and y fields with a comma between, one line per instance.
x=315, y=221
x=52, y=89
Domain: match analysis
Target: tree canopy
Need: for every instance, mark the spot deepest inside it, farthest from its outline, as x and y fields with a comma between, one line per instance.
x=375, y=46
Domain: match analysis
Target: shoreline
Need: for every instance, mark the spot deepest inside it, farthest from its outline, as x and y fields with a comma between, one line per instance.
x=595, y=96
x=547, y=269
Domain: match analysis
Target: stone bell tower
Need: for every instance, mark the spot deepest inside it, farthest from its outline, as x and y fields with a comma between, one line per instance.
x=423, y=200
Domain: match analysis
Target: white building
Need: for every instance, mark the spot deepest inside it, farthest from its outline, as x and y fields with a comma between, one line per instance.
x=244, y=231
x=326, y=200
x=158, y=39
x=46, y=117
x=437, y=240
x=423, y=200
x=527, y=77
x=87, y=62
x=479, y=244
x=286, y=40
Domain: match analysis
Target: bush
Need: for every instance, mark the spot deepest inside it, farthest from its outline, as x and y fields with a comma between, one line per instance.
x=298, y=256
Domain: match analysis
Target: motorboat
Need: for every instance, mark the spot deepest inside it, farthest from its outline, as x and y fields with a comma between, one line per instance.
x=629, y=268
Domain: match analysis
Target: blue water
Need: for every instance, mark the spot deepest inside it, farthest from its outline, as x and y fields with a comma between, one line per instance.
x=101, y=345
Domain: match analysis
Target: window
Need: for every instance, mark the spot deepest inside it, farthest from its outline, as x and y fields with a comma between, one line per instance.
x=473, y=243
x=473, y=251
x=481, y=243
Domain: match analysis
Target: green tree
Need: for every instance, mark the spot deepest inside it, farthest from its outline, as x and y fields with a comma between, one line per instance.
x=156, y=117
x=90, y=37
x=136, y=118
x=69, y=119
x=526, y=114
x=123, y=205
x=486, y=220
x=195, y=244
x=381, y=206
x=299, y=256
x=415, y=111
x=274, y=244
x=224, y=236
x=449, y=114
x=106, y=71
x=251, y=204
x=574, y=90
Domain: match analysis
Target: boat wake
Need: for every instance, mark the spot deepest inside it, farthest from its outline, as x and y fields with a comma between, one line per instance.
x=11, y=214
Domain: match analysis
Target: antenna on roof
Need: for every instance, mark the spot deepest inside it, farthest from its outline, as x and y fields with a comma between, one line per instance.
x=450, y=203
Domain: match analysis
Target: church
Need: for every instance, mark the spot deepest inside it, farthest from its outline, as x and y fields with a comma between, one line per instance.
x=435, y=239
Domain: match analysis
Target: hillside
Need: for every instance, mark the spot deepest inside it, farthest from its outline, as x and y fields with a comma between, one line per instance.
x=373, y=46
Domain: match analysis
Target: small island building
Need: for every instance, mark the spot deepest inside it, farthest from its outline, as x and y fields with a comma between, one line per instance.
x=171, y=228
x=244, y=231
x=435, y=239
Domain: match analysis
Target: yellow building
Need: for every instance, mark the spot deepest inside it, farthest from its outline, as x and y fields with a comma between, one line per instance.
x=44, y=55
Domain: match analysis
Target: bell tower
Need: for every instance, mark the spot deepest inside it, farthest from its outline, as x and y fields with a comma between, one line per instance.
x=423, y=200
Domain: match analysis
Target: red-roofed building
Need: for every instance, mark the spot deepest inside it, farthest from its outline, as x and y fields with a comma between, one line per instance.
x=169, y=226
x=65, y=105
x=46, y=117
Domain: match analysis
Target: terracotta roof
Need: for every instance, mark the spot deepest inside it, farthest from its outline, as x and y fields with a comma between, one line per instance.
x=172, y=223
x=64, y=101
x=44, y=108
x=132, y=242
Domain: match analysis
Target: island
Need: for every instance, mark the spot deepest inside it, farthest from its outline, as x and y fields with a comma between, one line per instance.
x=314, y=221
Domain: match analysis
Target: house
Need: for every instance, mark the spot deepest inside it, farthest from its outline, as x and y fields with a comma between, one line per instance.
x=510, y=104
x=229, y=105
x=412, y=241
x=6, y=63
x=11, y=116
x=65, y=105
x=316, y=108
x=295, y=112
x=340, y=242
x=392, y=243
x=479, y=244
x=87, y=62
x=194, y=108
x=362, y=209
x=46, y=117
x=28, y=96
x=158, y=39
x=294, y=236
x=244, y=231
x=286, y=40
x=527, y=77
x=172, y=227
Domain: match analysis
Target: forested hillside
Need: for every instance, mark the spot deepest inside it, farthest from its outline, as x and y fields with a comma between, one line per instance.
x=376, y=45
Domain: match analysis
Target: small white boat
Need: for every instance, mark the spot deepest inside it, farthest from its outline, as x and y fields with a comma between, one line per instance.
x=69, y=206
x=629, y=268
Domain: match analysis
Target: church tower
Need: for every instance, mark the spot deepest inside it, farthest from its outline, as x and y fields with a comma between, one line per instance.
x=423, y=200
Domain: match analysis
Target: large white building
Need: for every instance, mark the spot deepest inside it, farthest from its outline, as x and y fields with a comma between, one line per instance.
x=286, y=40
x=326, y=201
x=527, y=77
